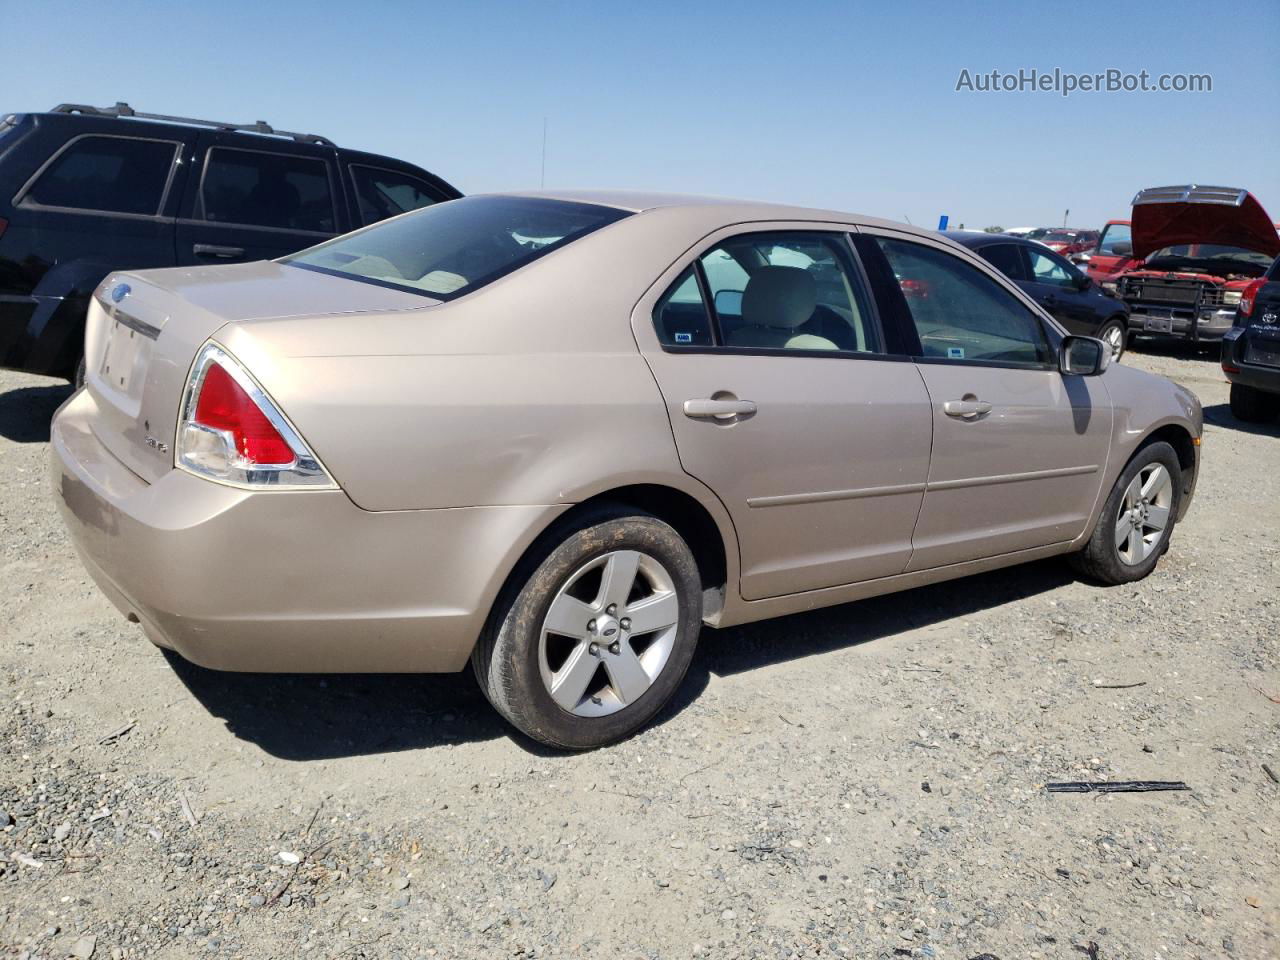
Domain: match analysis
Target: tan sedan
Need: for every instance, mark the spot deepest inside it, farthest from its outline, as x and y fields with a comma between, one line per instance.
x=553, y=435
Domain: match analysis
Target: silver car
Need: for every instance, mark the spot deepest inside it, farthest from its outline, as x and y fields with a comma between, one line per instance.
x=552, y=435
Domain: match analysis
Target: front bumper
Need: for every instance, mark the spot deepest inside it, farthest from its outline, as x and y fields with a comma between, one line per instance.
x=298, y=581
x=1213, y=325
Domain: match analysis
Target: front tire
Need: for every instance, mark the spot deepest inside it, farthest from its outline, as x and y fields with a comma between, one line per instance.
x=1137, y=520
x=1115, y=334
x=1252, y=405
x=588, y=645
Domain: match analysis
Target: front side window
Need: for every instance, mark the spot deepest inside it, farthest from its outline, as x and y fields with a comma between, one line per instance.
x=388, y=193
x=1005, y=257
x=959, y=312
x=789, y=291
x=260, y=189
x=1117, y=240
x=107, y=174
x=1051, y=270
x=450, y=249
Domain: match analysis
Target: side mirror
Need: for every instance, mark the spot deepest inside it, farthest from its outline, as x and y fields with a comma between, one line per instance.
x=1083, y=282
x=1122, y=249
x=1083, y=356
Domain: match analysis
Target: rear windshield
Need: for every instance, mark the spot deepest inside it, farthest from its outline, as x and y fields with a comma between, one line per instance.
x=451, y=249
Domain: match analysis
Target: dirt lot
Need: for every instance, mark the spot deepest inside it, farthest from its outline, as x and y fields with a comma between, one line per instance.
x=865, y=781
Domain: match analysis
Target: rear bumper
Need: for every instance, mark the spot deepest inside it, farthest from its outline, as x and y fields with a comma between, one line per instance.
x=1259, y=376
x=302, y=581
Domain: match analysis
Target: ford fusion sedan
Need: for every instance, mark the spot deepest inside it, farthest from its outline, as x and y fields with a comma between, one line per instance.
x=550, y=436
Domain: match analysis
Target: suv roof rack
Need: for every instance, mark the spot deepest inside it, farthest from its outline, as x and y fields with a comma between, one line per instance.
x=124, y=110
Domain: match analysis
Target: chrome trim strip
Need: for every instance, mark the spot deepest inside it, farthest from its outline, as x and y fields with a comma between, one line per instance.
x=113, y=312
x=824, y=496
x=1012, y=477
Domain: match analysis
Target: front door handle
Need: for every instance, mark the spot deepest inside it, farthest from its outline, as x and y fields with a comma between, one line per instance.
x=970, y=408
x=213, y=250
x=718, y=409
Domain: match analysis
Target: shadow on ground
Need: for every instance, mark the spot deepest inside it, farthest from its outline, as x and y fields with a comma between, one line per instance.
x=1220, y=415
x=314, y=717
x=25, y=413
x=1207, y=352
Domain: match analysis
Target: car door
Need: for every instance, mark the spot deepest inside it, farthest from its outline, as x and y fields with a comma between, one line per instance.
x=1059, y=287
x=787, y=399
x=258, y=202
x=1019, y=449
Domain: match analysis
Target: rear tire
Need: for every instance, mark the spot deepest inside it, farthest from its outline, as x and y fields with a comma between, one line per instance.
x=595, y=678
x=1137, y=520
x=1252, y=405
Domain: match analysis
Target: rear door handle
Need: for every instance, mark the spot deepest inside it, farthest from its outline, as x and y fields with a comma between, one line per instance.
x=718, y=409
x=213, y=250
x=967, y=409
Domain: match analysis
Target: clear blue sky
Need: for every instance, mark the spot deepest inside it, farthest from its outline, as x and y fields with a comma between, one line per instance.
x=841, y=104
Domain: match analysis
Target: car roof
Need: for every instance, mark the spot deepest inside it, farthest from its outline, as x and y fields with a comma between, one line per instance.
x=979, y=238
x=716, y=211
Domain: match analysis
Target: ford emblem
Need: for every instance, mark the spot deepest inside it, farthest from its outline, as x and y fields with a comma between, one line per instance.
x=120, y=291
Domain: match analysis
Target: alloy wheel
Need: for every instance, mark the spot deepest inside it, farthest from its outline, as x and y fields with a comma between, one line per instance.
x=608, y=633
x=1144, y=514
x=1113, y=336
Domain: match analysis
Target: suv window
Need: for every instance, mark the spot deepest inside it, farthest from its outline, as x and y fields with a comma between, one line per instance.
x=1006, y=258
x=789, y=291
x=1046, y=268
x=959, y=312
x=267, y=190
x=388, y=193
x=107, y=174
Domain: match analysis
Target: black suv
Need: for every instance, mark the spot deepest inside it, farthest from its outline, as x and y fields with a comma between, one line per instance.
x=1251, y=350
x=84, y=191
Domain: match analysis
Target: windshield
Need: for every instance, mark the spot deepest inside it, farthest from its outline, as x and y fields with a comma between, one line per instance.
x=1211, y=253
x=1038, y=233
x=1060, y=236
x=450, y=249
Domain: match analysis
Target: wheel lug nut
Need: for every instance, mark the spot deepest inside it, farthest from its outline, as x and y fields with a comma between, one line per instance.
x=611, y=609
x=615, y=648
x=625, y=623
x=594, y=649
x=591, y=627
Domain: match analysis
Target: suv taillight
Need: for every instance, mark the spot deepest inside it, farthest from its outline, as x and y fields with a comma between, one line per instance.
x=1249, y=295
x=233, y=433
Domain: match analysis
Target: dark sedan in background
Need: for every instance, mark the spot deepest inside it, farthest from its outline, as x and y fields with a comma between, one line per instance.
x=1251, y=350
x=1075, y=301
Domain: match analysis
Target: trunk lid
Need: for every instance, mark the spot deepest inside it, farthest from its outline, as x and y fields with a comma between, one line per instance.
x=1170, y=216
x=144, y=329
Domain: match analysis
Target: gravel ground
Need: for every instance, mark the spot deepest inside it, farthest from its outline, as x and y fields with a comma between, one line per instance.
x=865, y=781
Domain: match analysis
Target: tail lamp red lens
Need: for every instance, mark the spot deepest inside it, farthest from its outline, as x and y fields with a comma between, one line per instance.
x=224, y=405
x=1250, y=295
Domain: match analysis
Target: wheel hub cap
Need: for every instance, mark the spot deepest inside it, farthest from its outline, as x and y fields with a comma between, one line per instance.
x=608, y=633
x=1144, y=514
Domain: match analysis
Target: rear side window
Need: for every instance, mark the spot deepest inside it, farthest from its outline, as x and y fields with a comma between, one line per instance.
x=388, y=193
x=106, y=174
x=959, y=312
x=450, y=249
x=681, y=318
x=267, y=190
x=1005, y=257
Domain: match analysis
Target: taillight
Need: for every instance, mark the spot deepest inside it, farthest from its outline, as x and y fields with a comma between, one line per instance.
x=232, y=432
x=1249, y=295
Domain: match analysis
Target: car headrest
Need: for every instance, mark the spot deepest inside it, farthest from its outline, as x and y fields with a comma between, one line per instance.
x=779, y=297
